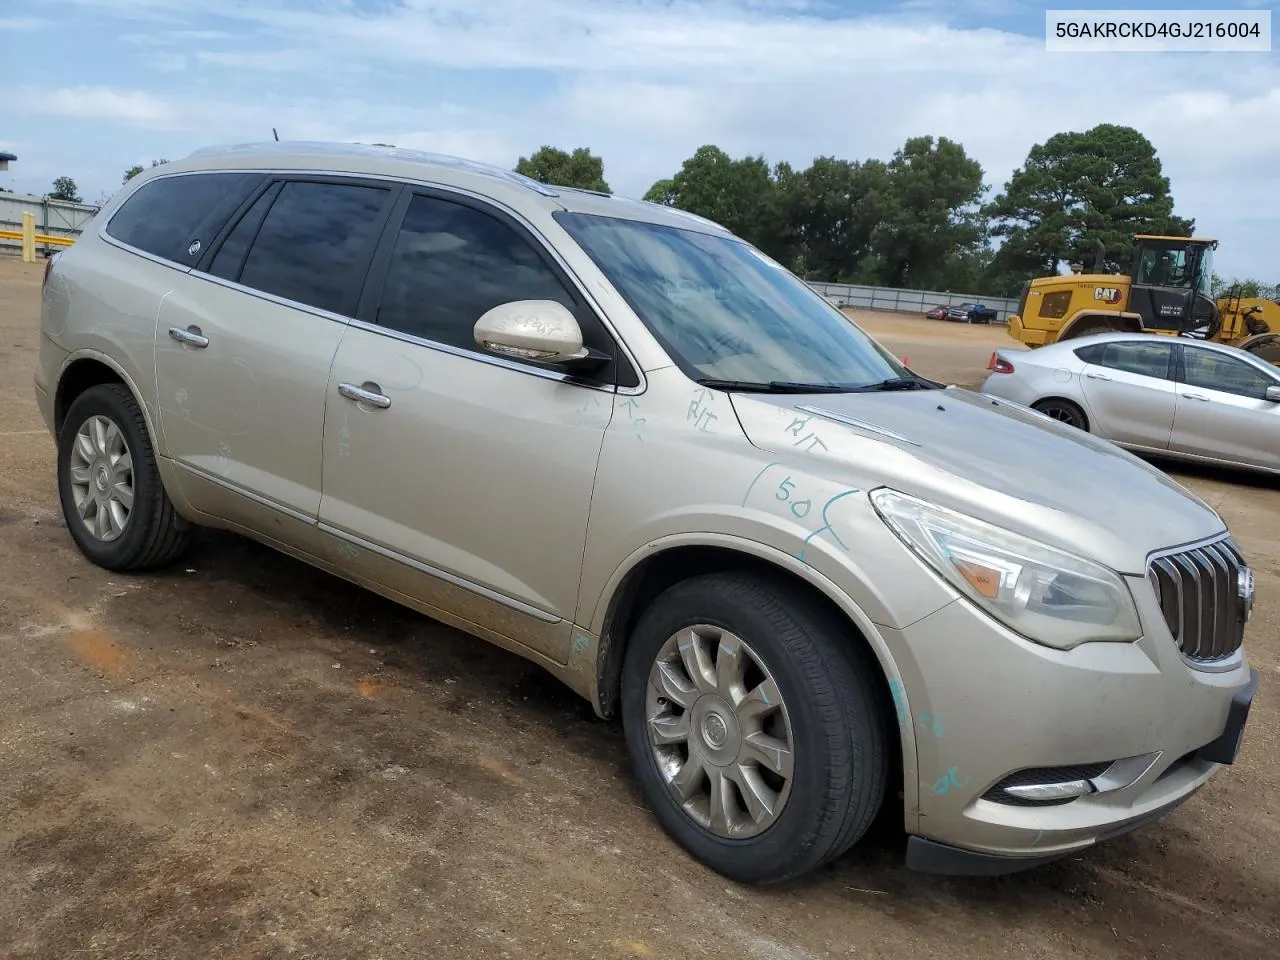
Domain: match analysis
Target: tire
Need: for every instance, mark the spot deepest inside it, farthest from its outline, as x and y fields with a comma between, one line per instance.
x=1064, y=411
x=826, y=703
x=148, y=532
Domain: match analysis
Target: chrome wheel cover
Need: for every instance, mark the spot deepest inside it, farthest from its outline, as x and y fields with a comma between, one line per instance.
x=100, y=475
x=719, y=732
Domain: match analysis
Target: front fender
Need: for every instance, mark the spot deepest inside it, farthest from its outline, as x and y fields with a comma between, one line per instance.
x=809, y=572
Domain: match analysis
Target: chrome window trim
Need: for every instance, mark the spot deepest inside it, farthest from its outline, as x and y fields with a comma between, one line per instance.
x=537, y=234
x=481, y=357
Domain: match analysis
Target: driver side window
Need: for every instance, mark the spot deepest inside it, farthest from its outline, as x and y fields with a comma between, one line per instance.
x=1210, y=370
x=450, y=264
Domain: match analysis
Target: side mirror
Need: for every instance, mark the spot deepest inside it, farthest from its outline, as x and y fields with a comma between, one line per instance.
x=1273, y=394
x=540, y=330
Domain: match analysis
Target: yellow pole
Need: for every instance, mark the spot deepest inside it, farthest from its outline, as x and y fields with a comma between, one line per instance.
x=28, y=237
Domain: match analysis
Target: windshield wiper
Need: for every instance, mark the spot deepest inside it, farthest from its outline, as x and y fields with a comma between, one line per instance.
x=773, y=386
x=897, y=383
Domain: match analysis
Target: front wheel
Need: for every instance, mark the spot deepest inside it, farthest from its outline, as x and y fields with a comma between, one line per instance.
x=756, y=726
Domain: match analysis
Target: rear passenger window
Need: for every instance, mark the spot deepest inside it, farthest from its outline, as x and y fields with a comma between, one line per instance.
x=451, y=263
x=177, y=217
x=1091, y=353
x=230, y=256
x=1147, y=359
x=315, y=244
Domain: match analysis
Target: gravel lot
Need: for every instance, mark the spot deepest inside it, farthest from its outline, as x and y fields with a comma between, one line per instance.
x=241, y=757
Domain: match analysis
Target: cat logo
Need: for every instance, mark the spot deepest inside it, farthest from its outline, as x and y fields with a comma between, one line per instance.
x=1106, y=294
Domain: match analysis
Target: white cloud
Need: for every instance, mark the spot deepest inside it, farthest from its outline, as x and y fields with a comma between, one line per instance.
x=127, y=107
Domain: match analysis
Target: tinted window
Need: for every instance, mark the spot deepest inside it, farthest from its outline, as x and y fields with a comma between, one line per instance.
x=450, y=264
x=1089, y=354
x=315, y=242
x=177, y=217
x=725, y=310
x=1147, y=359
x=230, y=256
x=1214, y=371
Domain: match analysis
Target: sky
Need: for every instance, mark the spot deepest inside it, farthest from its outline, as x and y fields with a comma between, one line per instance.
x=91, y=87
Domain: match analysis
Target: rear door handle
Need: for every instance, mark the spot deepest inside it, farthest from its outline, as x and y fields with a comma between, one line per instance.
x=1195, y=396
x=190, y=336
x=367, y=392
x=1097, y=376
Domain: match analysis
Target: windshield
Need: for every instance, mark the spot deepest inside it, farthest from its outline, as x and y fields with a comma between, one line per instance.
x=727, y=312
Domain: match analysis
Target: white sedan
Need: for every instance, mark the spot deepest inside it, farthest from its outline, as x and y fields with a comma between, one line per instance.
x=1153, y=394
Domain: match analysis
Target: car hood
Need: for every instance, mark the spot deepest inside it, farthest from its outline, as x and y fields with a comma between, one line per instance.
x=991, y=459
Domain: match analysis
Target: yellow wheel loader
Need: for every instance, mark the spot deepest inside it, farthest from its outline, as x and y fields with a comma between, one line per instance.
x=1167, y=292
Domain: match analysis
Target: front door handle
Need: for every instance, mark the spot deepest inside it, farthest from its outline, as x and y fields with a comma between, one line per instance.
x=367, y=392
x=1195, y=396
x=191, y=336
x=1097, y=376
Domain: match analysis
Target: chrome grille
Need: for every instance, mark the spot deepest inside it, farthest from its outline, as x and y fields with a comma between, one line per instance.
x=1200, y=597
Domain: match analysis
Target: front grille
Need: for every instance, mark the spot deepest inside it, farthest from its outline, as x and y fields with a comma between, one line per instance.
x=1199, y=593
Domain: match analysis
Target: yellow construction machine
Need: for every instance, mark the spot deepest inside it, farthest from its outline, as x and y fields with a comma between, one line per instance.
x=1168, y=291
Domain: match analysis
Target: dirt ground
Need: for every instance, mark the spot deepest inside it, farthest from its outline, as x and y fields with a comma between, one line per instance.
x=241, y=757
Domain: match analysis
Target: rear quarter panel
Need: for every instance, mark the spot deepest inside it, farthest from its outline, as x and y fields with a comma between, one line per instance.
x=101, y=303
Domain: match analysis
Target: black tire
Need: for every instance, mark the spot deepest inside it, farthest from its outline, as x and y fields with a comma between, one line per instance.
x=154, y=533
x=1064, y=411
x=831, y=687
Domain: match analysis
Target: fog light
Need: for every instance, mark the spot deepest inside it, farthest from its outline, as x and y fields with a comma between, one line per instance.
x=1067, y=790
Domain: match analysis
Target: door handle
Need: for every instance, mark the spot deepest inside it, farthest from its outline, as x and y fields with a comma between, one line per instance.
x=1097, y=376
x=190, y=336
x=366, y=393
x=1195, y=396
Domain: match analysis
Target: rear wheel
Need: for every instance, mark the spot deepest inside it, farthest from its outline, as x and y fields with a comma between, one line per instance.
x=112, y=498
x=755, y=724
x=1065, y=411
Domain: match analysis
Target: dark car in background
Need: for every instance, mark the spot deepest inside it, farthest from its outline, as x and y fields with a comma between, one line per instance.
x=971, y=313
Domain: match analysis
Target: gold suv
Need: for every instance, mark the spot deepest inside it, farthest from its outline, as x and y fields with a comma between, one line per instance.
x=617, y=440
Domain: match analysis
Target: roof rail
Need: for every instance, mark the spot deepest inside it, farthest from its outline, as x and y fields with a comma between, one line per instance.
x=330, y=148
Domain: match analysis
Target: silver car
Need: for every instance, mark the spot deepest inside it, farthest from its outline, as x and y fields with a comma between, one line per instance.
x=618, y=441
x=1176, y=397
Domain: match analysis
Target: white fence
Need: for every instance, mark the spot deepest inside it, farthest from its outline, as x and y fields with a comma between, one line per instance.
x=54, y=218
x=908, y=301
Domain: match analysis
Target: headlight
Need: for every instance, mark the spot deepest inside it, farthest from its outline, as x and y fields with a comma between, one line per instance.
x=1047, y=595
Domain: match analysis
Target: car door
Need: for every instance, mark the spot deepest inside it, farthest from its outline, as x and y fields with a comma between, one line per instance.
x=473, y=473
x=1128, y=386
x=244, y=344
x=1222, y=411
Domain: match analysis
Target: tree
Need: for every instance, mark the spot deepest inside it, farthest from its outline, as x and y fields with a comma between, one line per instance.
x=551, y=165
x=137, y=169
x=929, y=214
x=1077, y=188
x=64, y=188
x=829, y=214
x=737, y=194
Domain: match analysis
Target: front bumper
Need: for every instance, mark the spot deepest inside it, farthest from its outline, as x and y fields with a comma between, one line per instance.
x=930, y=856
x=984, y=704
